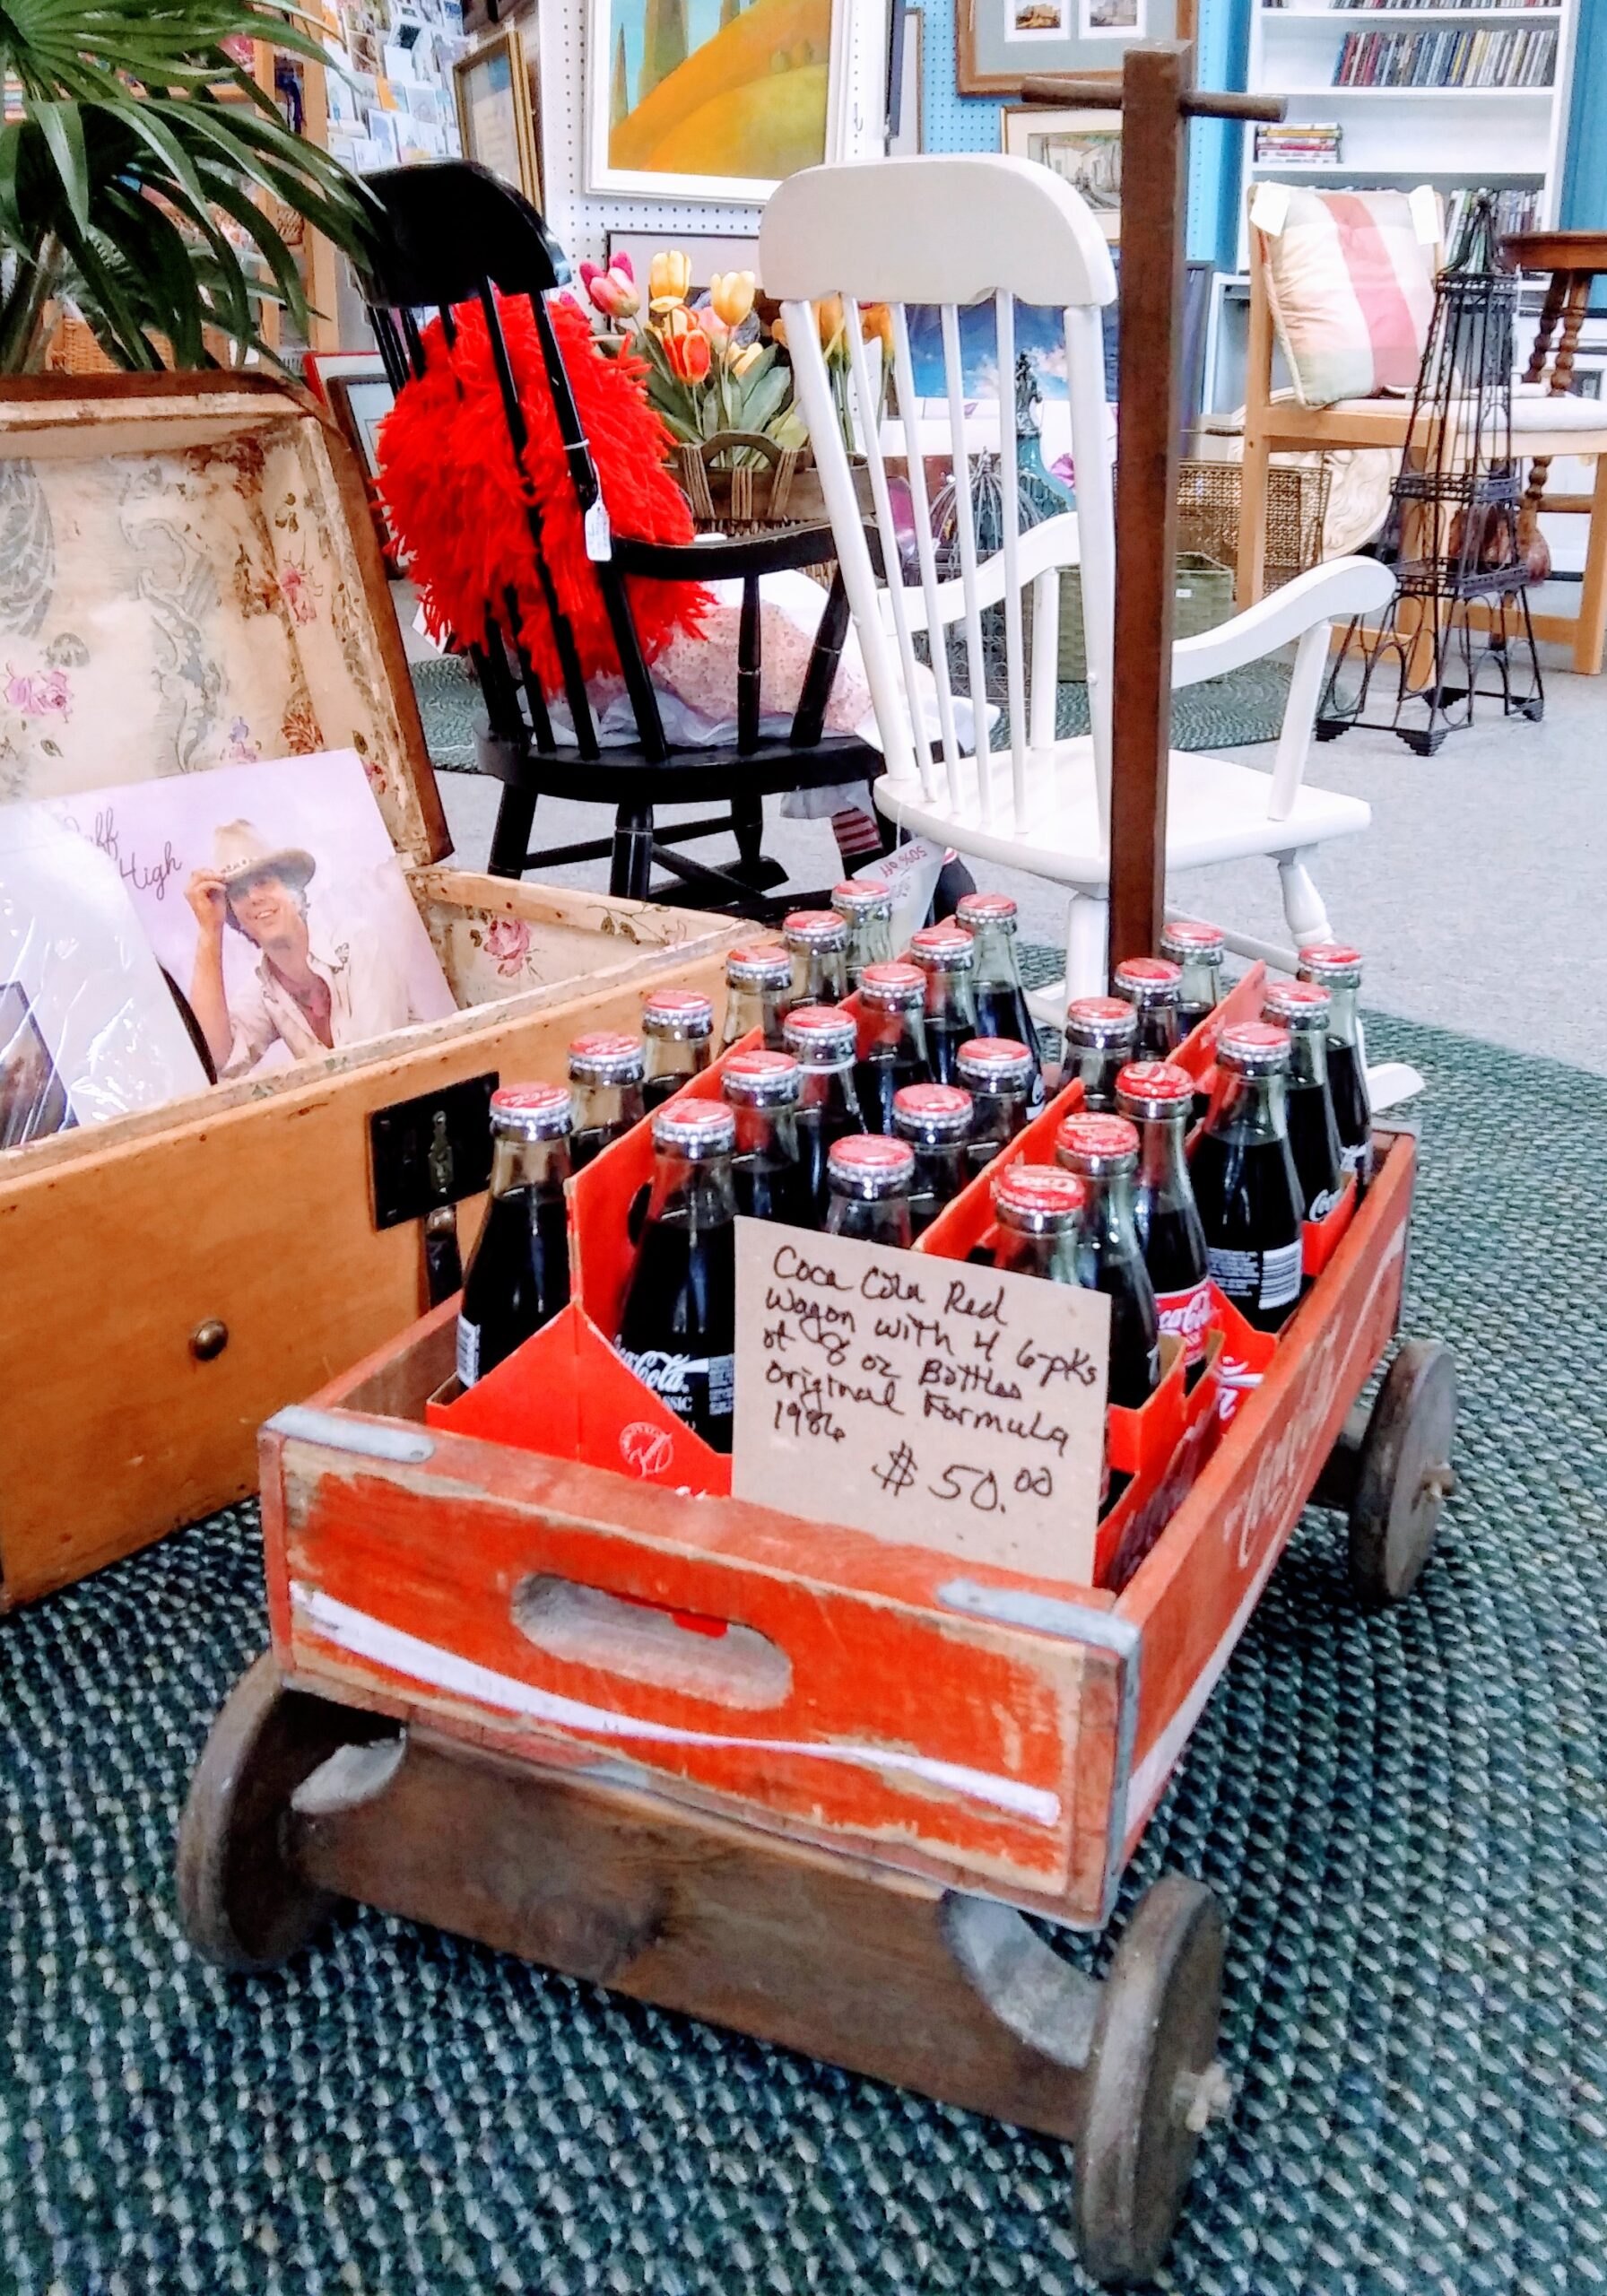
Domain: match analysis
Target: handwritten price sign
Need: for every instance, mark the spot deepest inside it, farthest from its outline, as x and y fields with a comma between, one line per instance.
x=925, y=1400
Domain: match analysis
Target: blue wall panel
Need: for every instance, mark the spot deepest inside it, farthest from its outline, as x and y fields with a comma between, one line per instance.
x=1584, y=178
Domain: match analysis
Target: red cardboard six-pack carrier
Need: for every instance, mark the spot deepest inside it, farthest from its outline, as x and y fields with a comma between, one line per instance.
x=553, y=1565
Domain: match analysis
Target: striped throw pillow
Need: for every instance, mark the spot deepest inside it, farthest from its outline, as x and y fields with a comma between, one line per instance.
x=1352, y=290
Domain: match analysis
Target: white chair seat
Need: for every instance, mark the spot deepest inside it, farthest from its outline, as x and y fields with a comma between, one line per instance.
x=1216, y=811
x=1540, y=410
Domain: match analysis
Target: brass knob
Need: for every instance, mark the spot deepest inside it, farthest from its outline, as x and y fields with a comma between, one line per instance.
x=209, y=1339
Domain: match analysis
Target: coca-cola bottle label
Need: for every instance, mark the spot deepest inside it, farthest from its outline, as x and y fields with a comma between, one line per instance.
x=1261, y=1279
x=693, y=1386
x=468, y=1351
x=1358, y=1158
x=1324, y=1202
x=1188, y=1315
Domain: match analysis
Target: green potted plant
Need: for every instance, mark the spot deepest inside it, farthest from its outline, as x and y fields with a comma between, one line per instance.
x=138, y=159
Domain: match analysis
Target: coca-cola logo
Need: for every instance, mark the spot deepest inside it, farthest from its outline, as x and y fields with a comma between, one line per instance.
x=665, y=1373
x=1186, y=1313
x=646, y=1448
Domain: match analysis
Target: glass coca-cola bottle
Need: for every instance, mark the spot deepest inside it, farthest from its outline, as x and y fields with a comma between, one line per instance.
x=1302, y=1008
x=606, y=1070
x=767, y=1171
x=993, y=921
x=1338, y=969
x=869, y=1179
x=1198, y=952
x=935, y=1119
x=518, y=1273
x=678, y=1328
x=947, y=957
x=1038, y=1223
x=759, y=983
x=865, y=906
x=892, y=1039
x=999, y=1075
x=817, y=942
x=1157, y=1096
x=1245, y=1179
x=822, y=1040
x=1102, y=1152
x=1100, y=1032
x=1150, y=985
x=678, y=1025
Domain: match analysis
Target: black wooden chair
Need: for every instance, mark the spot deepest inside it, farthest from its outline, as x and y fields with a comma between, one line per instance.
x=447, y=235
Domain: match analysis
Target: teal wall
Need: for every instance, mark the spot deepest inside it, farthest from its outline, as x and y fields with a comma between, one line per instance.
x=955, y=123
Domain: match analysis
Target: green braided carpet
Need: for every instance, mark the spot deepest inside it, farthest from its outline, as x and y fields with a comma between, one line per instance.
x=1403, y=1815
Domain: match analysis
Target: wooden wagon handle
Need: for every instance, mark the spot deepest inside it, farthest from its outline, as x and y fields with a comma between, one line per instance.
x=1106, y=95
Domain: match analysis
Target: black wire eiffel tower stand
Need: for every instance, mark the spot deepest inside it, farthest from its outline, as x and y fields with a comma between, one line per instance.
x=1454, y=536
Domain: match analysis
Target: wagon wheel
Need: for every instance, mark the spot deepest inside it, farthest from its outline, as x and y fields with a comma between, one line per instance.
x=241, y=1904
x=1153, y=2082
x=1404, y=1473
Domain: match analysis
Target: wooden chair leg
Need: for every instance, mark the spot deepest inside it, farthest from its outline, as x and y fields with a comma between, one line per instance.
x=1590, y=628
x=1251, y=575
x=630, y=872
x=511, y=838
x=747, y=826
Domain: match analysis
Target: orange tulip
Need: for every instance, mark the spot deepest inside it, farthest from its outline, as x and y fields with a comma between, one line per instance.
x=876, y=325
x=689, y=355
x=829, y=320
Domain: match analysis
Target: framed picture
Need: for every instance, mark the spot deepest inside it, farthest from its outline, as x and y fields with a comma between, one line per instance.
x=708, y=251
x=1083, y=148
x=496, y=123
x=360, y=404
x=1000, y=43
x=905, y=114
x=713, y=100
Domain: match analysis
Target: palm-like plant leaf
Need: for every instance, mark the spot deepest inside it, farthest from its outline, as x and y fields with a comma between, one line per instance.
x=142, y=171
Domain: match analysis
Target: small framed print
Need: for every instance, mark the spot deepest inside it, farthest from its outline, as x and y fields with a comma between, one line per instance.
x=905, y=112
x=496, y=121
x=1083, y=148
x=1000, y=43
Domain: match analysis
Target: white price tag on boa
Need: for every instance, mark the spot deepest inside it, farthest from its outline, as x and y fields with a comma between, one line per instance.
x=910, y=874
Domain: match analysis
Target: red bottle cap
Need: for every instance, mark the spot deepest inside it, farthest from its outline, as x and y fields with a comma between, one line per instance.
x=1096, y=1022
x=990, y=1061
x=1037, y=1196
x=695, y=1127
x=1183, y=937
x=1095, y=1144
x=1333, y=962
x=891, y=984
x=1253, y=1049
x=816, y=928
x=762, y=965
x=820, y=1035
x=945, y=946
x=1298, y=1003
x=869, y=1164
x=932, y=1112
x=1155, y=1086
x=1149, y=980
x=859, y=897
x=533, y=1111
x=760, y=1078
x=986, y=909
x=677, y=1012
x=605, y=1057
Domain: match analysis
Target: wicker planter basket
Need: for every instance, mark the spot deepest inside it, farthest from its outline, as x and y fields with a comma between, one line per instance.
x=784, y=489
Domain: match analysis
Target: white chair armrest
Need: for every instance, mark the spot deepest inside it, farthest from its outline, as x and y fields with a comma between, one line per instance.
x=1332, y=592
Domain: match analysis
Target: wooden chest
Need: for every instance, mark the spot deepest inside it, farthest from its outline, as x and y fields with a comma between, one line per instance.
x=173, y=1276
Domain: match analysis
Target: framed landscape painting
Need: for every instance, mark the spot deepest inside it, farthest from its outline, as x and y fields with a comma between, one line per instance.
x=716, y=100
x=1000, y=43
x=1083, y=148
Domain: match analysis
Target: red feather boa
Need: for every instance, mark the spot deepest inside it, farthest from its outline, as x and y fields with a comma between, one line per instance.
x=454, y=501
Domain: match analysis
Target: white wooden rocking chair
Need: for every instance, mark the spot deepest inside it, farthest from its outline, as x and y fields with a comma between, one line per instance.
x=951, y=231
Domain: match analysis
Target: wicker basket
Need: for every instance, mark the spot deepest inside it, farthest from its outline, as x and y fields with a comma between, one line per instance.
x=1296, y=505
x=739, y=499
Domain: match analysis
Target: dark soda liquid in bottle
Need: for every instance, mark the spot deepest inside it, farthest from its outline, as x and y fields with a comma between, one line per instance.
x=993, y=920
x=678, y=1025
x=869, y=1179
x=678, y=1328
x=1100, y=1035
x=821, y=1039
x=1245, y=1179
x=865, y=906
x=767, y=1178
x=1302, y=1008
x=892, y=1040
x=935, y=1120
x=1198, y=952
x=1102, y=1152
x=757, y=990
x=1037, y=1218
x=817, y=943
x=999, y=1075
x=1151, y=985
x=947, y=956
x=606, y=1072
x=1156, y=1097
x=1338, y=969
x=518, y=1273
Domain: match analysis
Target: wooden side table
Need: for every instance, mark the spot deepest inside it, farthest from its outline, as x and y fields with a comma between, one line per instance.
x=1575, y=260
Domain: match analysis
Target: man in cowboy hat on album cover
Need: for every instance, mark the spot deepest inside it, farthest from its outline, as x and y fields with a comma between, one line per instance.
x=307, y=999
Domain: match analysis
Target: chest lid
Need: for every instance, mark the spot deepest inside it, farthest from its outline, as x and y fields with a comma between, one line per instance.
x=189, y=579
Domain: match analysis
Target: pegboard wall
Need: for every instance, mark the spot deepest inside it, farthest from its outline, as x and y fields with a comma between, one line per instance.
x=951, y=122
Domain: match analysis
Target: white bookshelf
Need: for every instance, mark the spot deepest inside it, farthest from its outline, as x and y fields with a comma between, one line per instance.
x=1500, y=137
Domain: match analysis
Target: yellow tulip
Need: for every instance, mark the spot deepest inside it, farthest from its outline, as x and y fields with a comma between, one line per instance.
x=731, y=293
x=671, y=318
x=669, y=276
x=740, y=361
